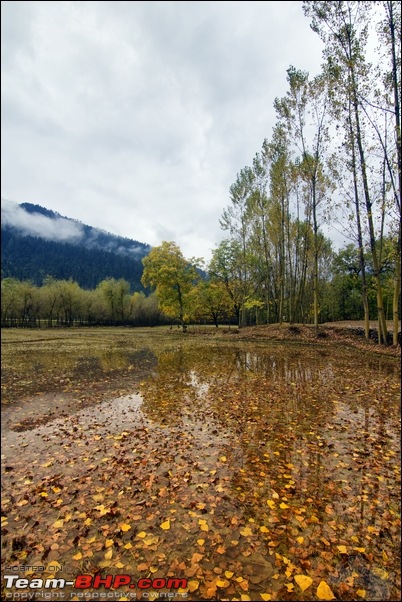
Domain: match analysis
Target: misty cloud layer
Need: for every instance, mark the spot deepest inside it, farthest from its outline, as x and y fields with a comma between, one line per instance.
x=35, y=224
x=64, y=229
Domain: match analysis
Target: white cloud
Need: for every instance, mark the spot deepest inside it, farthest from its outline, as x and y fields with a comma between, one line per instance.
x=36, y=224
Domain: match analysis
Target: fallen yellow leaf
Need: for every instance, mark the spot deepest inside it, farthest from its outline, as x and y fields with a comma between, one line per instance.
x=166, y=525
x=246, y=531
x=200, y=542
x=271, y=503
x=361, y=593
x=77, y=556
x=125, y=527
x=283, y=506
x=108, y=543
x=265, y=596
x=228, y=574
x=150, y=540
x=342, y=549
x=303, y=581
x=222, y=583
x=58, y=524
x=381, y=573
x=300, y=539
x=324, y=592
x=141, y=535
x=263, y=529
x=108, y=554
x=193, y=585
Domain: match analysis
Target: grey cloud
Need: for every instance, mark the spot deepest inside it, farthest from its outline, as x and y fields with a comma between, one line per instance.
x=136, y=116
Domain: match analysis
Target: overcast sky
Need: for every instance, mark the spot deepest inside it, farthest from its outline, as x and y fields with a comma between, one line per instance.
x=135, y=117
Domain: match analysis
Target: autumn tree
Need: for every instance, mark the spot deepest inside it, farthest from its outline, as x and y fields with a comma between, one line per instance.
x=116, y=294
x=172, y=277
x=226, y=267
x=304, y=112
x=210, y=300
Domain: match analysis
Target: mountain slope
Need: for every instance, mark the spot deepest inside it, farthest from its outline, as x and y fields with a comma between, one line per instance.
x=37, y=242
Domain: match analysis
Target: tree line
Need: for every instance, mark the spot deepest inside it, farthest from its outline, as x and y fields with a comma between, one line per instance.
x=184, y=294
x=65, y=303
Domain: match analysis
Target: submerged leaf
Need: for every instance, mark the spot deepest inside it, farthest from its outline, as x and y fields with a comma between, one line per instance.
x=303, y=581
x=324, y=592
x=246, y=531
x=166, y=525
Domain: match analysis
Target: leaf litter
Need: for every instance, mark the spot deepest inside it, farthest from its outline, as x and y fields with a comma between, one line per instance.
x=255, y=471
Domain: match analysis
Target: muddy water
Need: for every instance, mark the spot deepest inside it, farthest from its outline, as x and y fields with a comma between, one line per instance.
x=268, y=461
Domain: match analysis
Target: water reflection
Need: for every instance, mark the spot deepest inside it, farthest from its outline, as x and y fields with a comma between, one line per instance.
x=318, y=434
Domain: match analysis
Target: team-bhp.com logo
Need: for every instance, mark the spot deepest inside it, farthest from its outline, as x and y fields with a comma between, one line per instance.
x=82, y=582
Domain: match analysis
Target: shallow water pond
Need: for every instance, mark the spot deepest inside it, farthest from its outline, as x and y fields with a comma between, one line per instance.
x=252, y=470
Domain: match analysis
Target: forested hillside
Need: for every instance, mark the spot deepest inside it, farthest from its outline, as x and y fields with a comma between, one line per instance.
x=89, y=259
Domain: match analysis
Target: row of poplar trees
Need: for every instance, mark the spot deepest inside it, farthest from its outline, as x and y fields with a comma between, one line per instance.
x=334, y=160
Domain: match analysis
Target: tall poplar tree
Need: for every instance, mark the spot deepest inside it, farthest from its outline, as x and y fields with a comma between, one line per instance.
x=343, y=26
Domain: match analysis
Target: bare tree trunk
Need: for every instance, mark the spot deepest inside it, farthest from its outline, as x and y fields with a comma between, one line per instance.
x=359, y=234
x=382, y=334
x=397, y=107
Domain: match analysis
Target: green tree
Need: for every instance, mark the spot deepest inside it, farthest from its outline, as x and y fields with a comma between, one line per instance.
x=227, y=266
x=116, y=294
x=210, y=301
